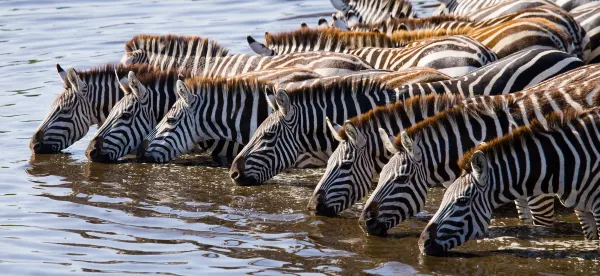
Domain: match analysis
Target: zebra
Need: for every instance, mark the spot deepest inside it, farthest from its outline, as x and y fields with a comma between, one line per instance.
x=345, y=182
x=422, y=157
x=86, y=100
x=148, y=98
x=506, y=7
x=196, y=121
x=298, y=126
x=569, y=5
x=170, y=51
x=513, y=73
x=391, y=25
x=589, y=17
x=452, y=55
x=516, y=166
x=369, y=11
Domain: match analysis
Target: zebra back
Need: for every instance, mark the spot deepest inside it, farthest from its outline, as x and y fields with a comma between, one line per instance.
x=589, y=17
x=281, y=75
x=170, y=51
x=391, y=25
x=513, y=73
x=462, y=7
x=370, y=11
x=506, y=7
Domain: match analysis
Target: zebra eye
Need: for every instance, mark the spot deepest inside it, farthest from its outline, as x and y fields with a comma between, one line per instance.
x=347, y=162
x=462, y=201
x=171, y=120
x=269, y=134
x=402, y=179
x=126, y=115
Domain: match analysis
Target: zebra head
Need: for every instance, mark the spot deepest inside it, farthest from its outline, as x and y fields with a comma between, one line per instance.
x=69, y=119
x=402, y=187
x=465, y=211
x=135, y=57
x=177, y=132
x=274, y=145
x=126, y=125
x=348, y=174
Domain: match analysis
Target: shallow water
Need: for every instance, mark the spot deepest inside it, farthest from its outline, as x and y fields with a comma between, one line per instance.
x=62, y=214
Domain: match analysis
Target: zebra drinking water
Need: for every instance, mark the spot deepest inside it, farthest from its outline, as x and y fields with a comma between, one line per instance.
x=425, y=154
x=557, y=156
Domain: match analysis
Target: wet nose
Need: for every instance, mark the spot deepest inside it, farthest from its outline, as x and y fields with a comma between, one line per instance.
x=140, y=154
x=318, y=203
x=369, y=221
x=236, y=172
x=427, y=242
x=37, y=143
x=94, y=150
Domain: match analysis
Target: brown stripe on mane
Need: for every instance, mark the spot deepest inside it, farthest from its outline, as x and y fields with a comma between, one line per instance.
x=140, y=41
x=411, y=23
x=149, y=77
x=554, y=121
x=226, y=85
x=359, y=85
x=405, y=37
x=370, y=119
x=306, y=36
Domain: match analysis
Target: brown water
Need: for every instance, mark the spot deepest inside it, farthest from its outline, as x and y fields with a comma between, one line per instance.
x=60, y=213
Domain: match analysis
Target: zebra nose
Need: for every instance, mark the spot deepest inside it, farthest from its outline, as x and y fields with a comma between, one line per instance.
x=237, y=169
x=428, y=244
x=37, y=144
x=318, y=203
x=140, y=154
x=369, y=221
x=94, y=150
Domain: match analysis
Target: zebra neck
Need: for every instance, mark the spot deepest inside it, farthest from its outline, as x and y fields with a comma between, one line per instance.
x=162, y=97
x=103, y=94
x=232, y=115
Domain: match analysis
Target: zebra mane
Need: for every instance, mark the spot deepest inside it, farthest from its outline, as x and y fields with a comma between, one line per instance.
x=356, y=85
x=421, y=104
x=554, y=121
x=154, y=76
x=493, y=105
x=329, y=36
x=140, y=42
x=226, y=85
x=109, y=69
x=410, y=23
x=539, y=21
x=404, y=37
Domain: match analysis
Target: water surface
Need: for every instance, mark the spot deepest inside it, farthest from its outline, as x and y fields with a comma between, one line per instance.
x=60, y=213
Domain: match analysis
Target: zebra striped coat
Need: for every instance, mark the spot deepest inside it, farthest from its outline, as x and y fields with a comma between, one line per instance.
x=369, y=11
x=506, y=7
x=559, y=157
x=463, y=7
x=354, y=178
x=86, y=100
x=510, y=74
x=170, y=51
x=426, y=154
x=298, y=126
x=589, y=18
x=248, y=108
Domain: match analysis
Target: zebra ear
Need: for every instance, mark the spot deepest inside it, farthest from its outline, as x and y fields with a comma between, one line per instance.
x=388, y=141
x=339, y=23
x=323, y=24
x=407, y=143
x=184, y=93
x=479, y=164
x=402, y=27
x=259, y=48
x=334, y=128
x=303, y=26
x=270, y=96
x=136, y=86
x=283, y=101
x=356, y=137
x=74, y=80
x=61, y=73
x=123, y=82
x=351, y=19
x=340, y=5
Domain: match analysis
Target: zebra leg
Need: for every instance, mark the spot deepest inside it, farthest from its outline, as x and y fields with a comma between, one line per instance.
x=524, y=211
x=542, y=209
x=589, y=223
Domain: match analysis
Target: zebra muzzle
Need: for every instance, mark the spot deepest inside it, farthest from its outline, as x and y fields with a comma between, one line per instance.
x=94, y=151
x=236, y=173
x=318, y=203
x=369, y=221
x=428, y=244
x=37, y=144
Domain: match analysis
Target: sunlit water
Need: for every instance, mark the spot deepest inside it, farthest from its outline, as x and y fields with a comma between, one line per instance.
x=61, y=214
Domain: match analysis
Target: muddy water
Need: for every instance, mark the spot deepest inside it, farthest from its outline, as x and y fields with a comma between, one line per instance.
x=60, y=213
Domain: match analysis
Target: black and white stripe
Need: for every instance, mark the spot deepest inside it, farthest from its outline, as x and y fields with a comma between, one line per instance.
x=463, y=7
x=589, y=18
x=558, y=156
x=344, y=183
x=426, y=154
x=370, y=11
x=86, y=100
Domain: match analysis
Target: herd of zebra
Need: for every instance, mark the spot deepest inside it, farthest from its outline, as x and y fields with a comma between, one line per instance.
x=477, y=97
